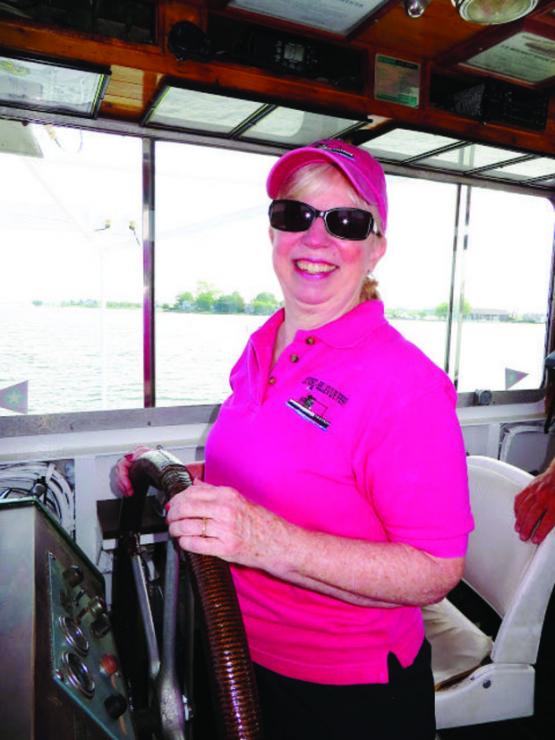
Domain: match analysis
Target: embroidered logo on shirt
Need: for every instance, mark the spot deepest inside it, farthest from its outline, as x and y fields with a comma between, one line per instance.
x=311, y=410
x=313, y=384
x=311, y=406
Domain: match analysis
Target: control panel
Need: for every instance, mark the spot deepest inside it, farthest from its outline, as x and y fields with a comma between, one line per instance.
x=61, y=676
x=84, y=660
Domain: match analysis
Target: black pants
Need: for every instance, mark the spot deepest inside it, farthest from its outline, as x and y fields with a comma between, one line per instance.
x=402, y=709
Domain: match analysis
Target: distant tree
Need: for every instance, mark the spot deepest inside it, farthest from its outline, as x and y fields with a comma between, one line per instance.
x=82, y=303
x=231, y=303
x=122, y=304
x=208, y=298
x=264, y=303
x=204, y=302
x=184, y=301
x=442, y=309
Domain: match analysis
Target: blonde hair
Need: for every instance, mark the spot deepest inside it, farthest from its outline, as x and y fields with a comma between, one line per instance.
x=369, y=290
x=313, y=178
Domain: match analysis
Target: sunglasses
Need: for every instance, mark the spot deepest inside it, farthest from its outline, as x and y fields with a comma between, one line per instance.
x=343, y=223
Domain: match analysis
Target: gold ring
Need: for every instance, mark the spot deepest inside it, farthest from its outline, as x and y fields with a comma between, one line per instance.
x=203, y=533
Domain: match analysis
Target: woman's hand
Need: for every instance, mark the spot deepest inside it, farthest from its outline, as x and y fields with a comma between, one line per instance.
x=120, y=473
x=121, y=480
x=535, y=507
x=217, y=520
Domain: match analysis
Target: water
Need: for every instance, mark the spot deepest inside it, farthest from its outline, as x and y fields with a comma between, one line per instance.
x=84, y=359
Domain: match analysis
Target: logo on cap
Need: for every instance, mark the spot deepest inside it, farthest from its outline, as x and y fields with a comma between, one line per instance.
x=335, y=150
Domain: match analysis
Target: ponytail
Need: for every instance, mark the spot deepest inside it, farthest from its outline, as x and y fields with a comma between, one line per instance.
x=369, y=290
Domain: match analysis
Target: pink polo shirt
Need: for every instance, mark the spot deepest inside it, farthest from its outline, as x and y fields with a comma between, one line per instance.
x=353, y=432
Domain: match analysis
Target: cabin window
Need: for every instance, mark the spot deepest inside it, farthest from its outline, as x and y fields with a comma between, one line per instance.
x=214, y=279
x=414, y=275
x=506, y=276
x=71, y=274
x=466, y=275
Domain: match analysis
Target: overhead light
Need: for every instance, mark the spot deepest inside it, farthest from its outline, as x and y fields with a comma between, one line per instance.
x=416, y=8
x=492, y=12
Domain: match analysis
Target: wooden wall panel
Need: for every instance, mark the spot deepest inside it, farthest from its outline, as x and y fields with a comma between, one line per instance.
x=138, y=70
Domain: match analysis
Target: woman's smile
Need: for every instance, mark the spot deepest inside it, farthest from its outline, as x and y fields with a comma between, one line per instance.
x=311, y=269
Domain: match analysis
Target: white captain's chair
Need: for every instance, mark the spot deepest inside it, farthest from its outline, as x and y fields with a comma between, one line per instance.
x=479, y=679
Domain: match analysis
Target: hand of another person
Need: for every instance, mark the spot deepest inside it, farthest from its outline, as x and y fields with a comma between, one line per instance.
x=535, y=507
x=121, y=470
x=217, y=520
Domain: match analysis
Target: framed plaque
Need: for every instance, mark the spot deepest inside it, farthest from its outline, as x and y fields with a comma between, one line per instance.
x=340, y=17
x=522, y=53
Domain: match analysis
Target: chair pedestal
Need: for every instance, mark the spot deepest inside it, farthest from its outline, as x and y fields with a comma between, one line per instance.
x=494, y=692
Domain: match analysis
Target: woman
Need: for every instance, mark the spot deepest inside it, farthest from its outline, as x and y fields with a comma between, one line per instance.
x=335, y=473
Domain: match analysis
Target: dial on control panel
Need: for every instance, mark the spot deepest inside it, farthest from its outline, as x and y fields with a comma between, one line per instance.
x=77, y=674
x=74, y=635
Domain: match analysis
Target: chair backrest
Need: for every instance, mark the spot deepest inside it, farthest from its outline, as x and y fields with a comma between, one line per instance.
x=514, y=577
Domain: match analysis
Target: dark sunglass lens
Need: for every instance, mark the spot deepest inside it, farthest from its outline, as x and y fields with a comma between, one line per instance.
x=350, y=223
x=277, y=214
x=290, y=215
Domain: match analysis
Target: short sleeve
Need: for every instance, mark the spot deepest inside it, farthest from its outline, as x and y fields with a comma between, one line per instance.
x=412, y=467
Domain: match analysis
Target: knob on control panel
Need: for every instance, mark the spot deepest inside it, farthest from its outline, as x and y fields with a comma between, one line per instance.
x=101, y=626
x=96, y=607
x=73, y=576
x=115, y=705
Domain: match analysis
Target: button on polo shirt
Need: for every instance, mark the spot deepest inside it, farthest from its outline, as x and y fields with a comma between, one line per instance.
x=359, y=439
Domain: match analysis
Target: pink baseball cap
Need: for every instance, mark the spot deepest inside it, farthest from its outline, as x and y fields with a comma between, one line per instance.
x=361, y=169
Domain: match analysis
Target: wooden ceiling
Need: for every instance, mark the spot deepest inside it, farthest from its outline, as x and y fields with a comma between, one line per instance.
x=138, y=69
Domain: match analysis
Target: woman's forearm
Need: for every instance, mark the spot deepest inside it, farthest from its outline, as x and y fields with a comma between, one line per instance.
x=219, y=521
x=382, y=574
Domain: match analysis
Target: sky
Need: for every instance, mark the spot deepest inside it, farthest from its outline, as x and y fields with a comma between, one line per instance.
x=71, y=228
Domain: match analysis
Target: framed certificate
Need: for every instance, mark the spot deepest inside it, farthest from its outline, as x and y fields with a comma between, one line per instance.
x=396, y=80
x=340, y=17
x=522, y=53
